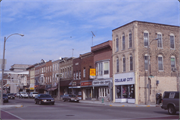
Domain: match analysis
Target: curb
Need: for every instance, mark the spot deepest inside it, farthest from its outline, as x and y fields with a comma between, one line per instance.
x=11, y=106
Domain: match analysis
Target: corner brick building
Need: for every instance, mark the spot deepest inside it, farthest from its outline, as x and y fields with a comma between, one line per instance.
x=134, y=44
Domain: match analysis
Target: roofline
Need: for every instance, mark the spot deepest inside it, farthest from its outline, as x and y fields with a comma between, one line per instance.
x=144, y=22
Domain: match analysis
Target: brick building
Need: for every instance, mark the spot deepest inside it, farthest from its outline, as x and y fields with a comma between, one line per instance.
x=87, y=62
x=104, y=74
x=133, y=45
x=66, y=69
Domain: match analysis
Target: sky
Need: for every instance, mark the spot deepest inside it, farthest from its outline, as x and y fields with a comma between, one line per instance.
x=62, y=28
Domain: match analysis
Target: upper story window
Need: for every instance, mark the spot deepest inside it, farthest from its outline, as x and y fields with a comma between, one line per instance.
x=117, y=64
x=84, y=72
x=173, y=62
x=74, y=75
x=102, y=68
x=79, y=74
x=77, y=77
x=160, y=62
x=124, y=64
x=123, y=42
x=117, y=43
x=172, y=41
x=146, y=62
x=146, y=39
x=131, y=62
x=130, y=40
x=159, y=36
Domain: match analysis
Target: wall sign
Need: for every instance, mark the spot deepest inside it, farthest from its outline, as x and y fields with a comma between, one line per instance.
x=86, y=83
x=124, y=78
x=101, y=82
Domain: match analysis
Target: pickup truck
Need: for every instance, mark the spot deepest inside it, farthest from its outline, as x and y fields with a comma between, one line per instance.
x=170, y=101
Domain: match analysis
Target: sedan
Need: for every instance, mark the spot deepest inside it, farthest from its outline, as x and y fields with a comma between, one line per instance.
x=69, y=97
x=11, y=96
x=44, y=99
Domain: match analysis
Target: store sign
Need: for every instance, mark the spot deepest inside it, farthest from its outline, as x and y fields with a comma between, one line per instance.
x=92, y=73
x=101, y=82
x=86, y=83
x=124, y=78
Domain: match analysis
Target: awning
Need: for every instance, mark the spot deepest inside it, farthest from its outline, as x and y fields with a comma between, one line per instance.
x=52, y=89
x=75, y=87
x=65, y=83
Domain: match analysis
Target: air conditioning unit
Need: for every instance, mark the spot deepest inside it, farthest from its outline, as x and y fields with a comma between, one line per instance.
x=58, y=75
x=173, y=69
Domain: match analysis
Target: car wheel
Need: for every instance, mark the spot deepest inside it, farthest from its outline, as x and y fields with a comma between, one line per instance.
x=52, y=103
x=69, y=100
x=171, y=110
x=64, y=100
x=78, y=101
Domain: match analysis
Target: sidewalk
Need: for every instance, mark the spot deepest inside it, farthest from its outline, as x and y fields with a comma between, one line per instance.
x=118, y=104
x=115, y=104
x=10, y=106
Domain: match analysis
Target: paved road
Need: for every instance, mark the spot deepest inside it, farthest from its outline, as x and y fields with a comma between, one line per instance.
x=72, y=110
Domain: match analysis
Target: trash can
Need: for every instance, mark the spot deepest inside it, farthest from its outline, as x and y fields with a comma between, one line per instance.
x=102, y=100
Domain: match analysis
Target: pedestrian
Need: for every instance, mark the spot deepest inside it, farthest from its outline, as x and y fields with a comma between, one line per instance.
x=159, y=98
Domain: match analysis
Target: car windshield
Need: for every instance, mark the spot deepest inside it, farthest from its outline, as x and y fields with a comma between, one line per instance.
x=72, y=95
x=23, y=93
x=35, y=93
x=10, y=94
x=45, y=96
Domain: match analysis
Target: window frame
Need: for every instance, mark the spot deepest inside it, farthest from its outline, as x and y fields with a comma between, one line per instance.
x=160, y=41
x=117, y=44
x=174, y=62
x=117, y=64
x=172, y=35
x=124, y=63
x=160, y=64
x=130, y=39
x=146, y=39
x=131, y=63
x=123, y=42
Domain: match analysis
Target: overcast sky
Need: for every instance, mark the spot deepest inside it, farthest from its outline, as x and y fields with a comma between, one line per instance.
x=52, y=28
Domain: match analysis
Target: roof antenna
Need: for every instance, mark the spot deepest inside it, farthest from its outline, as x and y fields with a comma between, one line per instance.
x=93, y=35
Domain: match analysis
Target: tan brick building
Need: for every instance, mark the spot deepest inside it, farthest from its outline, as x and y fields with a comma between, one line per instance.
x=133, y=43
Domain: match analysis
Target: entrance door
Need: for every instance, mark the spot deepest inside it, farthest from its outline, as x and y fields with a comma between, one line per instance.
x=88, y=94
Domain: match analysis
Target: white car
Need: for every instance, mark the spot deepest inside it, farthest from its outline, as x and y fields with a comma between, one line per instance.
x=23, y=95
x=33, y=94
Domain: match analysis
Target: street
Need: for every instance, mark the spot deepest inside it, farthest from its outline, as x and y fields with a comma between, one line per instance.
x=73, y=110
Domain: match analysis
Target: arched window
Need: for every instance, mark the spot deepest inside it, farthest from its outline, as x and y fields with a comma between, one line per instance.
x=146, y=62
x=131, y=62
x=117, y=43
x=159, y=36
x=117, y=64
x=160, y=62
x=172, y=41
x=173, y=62
x=146, y=38
x=123, y=42
x=124, y=64
x=130, y=40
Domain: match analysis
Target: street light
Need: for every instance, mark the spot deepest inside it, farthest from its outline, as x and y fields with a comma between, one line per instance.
x=3, y=64
x=149, y=68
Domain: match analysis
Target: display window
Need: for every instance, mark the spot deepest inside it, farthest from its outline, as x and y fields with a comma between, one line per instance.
x=125, y=91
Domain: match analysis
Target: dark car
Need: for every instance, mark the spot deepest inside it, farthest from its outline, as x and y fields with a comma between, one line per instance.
x=5, y=98
x=170, y=101
x=11, y=96
x=44, y=99
x=70, y=97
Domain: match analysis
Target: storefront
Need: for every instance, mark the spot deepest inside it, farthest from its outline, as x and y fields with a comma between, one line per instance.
x=101, y=89
x=76, y=88
x=124, y=87
x=86, y=89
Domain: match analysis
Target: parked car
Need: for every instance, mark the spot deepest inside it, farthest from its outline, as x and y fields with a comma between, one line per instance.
x=44, y=99
x=5, y=98
x=11, y=96
x=170, y=101
x=23, y=95
x=33, y=94
x=70, y=97
x=17, y=94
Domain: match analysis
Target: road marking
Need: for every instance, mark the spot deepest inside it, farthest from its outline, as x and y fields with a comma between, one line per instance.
x=12, y=114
